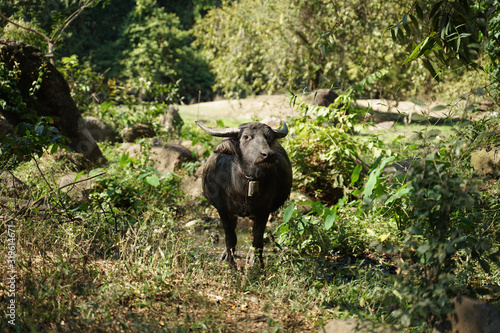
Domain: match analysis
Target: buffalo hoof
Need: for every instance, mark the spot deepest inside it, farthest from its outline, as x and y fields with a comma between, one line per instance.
x=228, y=256
x=256, y=260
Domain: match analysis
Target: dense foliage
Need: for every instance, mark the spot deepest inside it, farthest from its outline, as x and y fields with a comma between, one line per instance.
x=257, y=46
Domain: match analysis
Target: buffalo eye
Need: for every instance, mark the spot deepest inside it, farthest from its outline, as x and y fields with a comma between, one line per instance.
x=246, y=137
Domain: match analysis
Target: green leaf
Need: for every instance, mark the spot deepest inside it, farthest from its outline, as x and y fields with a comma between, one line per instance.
x=423, y=248
x=396, y=30
x=375, y=176
x=124, y=160
x=79, y=175
x=430, y=68
x=330, y=219
x=94, y=172
x=420, y=49
x=438, y=108
x=287, y=214
x=383, y=238
x=435, y=8
x=419, y=11
x=153, y=180
x=418, y=102
x=398, y=194
x=355, y=174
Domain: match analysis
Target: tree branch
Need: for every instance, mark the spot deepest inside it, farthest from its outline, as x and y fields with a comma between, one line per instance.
x=70, y=19
x=48, y=39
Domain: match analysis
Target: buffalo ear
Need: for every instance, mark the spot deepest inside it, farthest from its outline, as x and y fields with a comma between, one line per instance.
x=227, y=146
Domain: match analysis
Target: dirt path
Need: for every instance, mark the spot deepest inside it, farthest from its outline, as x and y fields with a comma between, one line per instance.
x=279, y=106
x=237, y=111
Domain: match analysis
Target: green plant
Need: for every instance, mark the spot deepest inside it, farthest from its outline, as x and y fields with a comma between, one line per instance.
x=492, y=49
x=34, y=135
x=436, y=232
x=457, y=31
x=87, y=87
x=160, y=52
x=324, y=151
x=11, y=100
x=134, y=184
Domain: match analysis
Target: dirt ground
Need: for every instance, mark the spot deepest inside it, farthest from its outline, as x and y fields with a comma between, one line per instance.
x=280, y=106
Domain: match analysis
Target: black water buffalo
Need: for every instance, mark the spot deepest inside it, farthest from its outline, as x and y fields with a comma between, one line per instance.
x=248, y=175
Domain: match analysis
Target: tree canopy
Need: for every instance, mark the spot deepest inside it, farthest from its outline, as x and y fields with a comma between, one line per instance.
x=239, y=48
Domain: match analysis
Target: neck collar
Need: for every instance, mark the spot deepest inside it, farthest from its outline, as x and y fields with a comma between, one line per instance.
x=253, y=184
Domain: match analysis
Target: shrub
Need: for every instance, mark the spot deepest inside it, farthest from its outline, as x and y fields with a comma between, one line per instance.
x=324, y=151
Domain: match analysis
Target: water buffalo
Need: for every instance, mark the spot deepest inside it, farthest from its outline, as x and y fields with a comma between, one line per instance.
x=248, y=175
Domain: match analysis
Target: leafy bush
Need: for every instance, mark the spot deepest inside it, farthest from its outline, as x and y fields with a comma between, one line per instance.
x=493, y=50
x=133, y=185
x=87, y=87
x=324, y=151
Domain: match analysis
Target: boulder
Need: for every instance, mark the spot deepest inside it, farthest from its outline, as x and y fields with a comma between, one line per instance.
x=193, y=185
x=137, y=131
x=321, y=97
x=99, y=129
x=486, y=161
x=273, y=122
x=5, y=126
x=13, y=185
x=171, y=120
x=469, y=316
x=166, y=158
x=51, y=99
x=77, y=190
x=354, y=326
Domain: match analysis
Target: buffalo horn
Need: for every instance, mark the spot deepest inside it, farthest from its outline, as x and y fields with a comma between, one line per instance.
x=234, y=131
x=282, y=132
x=221, y=132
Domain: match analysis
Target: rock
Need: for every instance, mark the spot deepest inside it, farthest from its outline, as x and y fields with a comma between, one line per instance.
x=137, y=131
x=486, y=105
x=71, y=159
x=354, y=326
x=52, y=99
x=166, y=158
x=470, y=316
x=197, y=148
x=77, y=190
x=382, y=125
x=14, y=186
x=321, y=97
x=171, y=120
x=214, y=238
x=486, y=161
x=99, y=129
x=196, y=225
x=5, y=126
x=193, y=185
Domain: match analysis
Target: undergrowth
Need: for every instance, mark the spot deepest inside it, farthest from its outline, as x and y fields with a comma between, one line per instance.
x=122, y=259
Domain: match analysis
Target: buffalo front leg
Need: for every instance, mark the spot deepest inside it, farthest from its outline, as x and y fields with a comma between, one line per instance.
x=229, y=225
x=259, y=226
